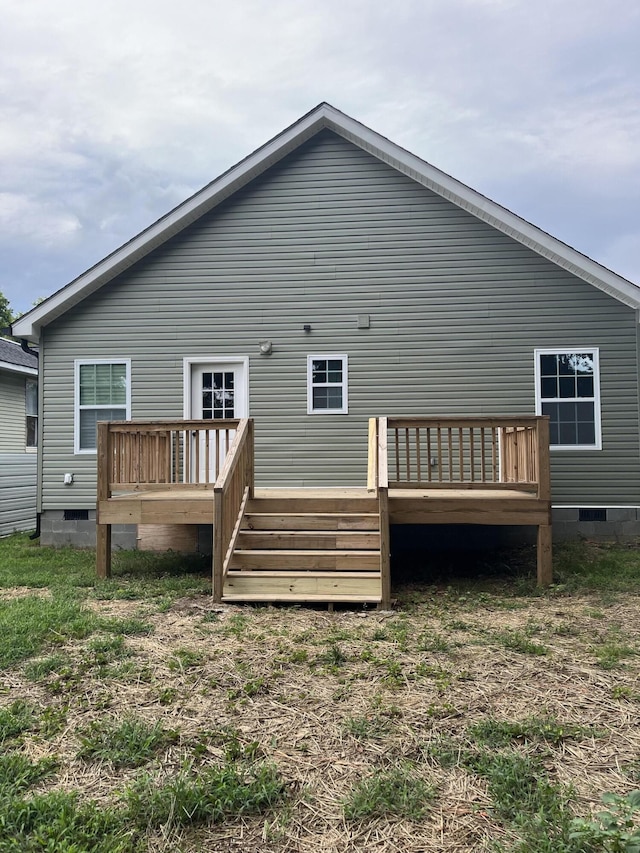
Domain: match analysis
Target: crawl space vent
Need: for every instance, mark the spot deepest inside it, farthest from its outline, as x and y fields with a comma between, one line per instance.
x=76, y=515
x=592, y=515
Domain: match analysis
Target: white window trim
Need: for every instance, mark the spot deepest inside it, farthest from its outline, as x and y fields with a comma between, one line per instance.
x=596, y=392
x=344, y=410
x=188, y=363
x=77, y=364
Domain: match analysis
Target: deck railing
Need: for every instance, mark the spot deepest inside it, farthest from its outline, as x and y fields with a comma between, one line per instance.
x=456, y=453
x=139, y=455
x=232, y=490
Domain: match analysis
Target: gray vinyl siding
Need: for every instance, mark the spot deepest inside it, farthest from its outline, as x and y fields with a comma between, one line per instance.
x=17, y=492
x=457, y=309
x=12, y=412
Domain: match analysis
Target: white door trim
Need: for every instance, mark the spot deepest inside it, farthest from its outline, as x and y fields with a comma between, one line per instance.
x=188, y=363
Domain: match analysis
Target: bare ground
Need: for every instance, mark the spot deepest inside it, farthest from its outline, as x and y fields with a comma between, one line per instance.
x=330, y=697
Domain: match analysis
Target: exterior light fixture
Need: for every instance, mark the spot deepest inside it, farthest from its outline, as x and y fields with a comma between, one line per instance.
x=266, y=347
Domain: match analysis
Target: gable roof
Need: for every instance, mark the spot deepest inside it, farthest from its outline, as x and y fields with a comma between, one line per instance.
x=324, y=116
x=14, y=359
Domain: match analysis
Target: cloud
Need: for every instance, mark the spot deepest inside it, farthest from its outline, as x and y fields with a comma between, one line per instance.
x=111, y=114
x=23, y=218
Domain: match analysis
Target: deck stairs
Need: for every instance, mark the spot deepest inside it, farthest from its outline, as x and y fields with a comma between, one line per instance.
x=307, y=549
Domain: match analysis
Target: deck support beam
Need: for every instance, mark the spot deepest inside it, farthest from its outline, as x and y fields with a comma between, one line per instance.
x=218, y=556
x=103, y=551
x=385, y=550
x=544, y=555
x=103, y=531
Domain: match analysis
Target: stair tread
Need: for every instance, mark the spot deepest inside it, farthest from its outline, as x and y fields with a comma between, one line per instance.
x=279, y=531
x=295, y=573
x=310, y=552
x=302, y=598
x=315, y=514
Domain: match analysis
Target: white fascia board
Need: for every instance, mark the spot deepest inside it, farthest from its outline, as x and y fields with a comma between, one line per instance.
x=325, y=116
x=18, y=368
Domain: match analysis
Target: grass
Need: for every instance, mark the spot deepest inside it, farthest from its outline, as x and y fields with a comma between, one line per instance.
x=60, y=822
x=124, y=743
x=544, y=729
x=134, y=717
x=136, y=575
x=18, y=774
x=518, y=641
x=206, y=796
x=399, y=792
x=32, y=623
x=15, y=719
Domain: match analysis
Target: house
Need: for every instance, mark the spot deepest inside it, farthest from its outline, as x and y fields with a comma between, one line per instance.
x=330, y=277
x=18, y=437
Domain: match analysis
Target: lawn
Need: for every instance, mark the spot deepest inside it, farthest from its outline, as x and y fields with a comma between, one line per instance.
x=479, y=715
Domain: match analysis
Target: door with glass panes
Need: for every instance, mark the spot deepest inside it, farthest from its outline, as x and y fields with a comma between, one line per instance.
x=218, y=391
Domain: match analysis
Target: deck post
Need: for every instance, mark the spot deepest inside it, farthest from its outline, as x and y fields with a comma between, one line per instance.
x=103, y=551
x=251, y=472
x=544, y=547
x=385, y=551
x=545, y=564
x=382, y=484
x=103, y=531
x=218, y=556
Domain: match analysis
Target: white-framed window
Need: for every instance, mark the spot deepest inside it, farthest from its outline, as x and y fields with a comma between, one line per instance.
x=568, y=390
x=102, y=393
x=327, y=384
x=31, y=413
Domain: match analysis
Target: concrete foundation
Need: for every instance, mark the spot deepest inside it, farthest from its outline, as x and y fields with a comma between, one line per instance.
x=58, y=532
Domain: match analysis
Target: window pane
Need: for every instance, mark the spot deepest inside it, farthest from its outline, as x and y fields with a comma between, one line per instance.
x=327, y=398
x=334, y=397
x=567, y=386
x=551, y=409
x=585, y=386
x=548, y=365
x=32, y=431
x=566, y=365
x=549, y=387
x=584, y=412
x=586, y=433
x=567, y=412
x=583, y=363
x=217, y=380
x=31, y=397
x=568, y=433
x=206, y=380
x=319, y=369
x=320, y=400
x=228, y=380
x=103, y=384
x=88, y=420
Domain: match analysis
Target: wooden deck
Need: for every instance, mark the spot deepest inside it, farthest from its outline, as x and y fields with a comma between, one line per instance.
x=322, y=544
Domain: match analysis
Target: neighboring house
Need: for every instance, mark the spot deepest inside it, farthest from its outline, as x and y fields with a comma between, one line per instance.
x=329, y=277
x=18, y=437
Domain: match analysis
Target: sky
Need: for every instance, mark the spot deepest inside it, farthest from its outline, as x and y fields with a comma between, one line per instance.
x=112, y=113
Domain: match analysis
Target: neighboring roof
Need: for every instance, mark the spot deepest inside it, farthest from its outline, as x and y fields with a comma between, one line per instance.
x=15, y=359
x=324, y=116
